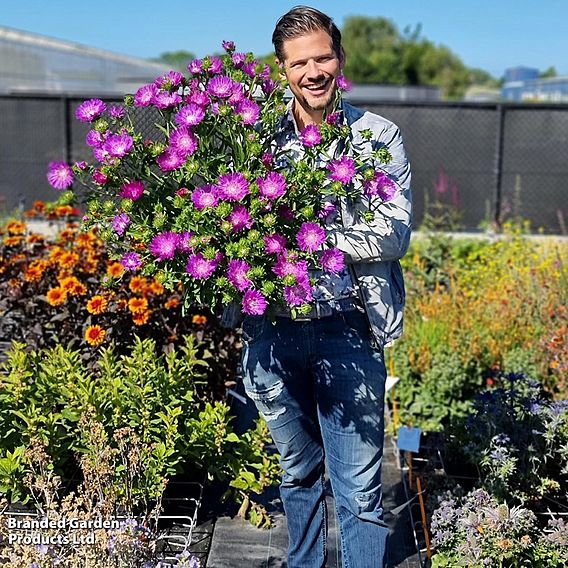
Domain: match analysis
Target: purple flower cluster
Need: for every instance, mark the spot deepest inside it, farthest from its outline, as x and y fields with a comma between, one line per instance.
x=380, y=185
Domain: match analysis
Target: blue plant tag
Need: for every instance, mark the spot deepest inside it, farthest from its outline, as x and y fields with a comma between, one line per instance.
x=409, y=439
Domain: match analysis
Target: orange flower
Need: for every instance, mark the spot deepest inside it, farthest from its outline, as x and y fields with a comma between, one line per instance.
x=33, y=274
x=199, y=319
x=138, y=284
x=56, y=254
x=72, y=285
x=97, y=305
x=56, y=296
x=68, y=259
x=91, y=264
x=141, y=318
x=137, y=305
x=16, y=228
x=67, y=235
x=38, y=205
x=34, y=238
x=115, y=270
x=13, y=241
x=172, y=303
x=121, y=304
x=95, y=335
x=156, y=288
x=64, y=210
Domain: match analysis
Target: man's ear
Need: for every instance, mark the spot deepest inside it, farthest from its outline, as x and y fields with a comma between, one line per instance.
x=281, y=73
x=342, y=59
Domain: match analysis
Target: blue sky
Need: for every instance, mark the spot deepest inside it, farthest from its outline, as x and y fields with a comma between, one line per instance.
x=490, y=34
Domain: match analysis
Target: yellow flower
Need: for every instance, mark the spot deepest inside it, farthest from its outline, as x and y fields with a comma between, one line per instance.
x=95, y=335
x=16, y=228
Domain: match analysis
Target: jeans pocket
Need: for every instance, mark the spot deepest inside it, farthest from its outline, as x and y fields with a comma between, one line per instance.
x=253, y=326
x=357, y=321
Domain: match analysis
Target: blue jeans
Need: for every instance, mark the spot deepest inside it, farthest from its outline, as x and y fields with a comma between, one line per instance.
x=320, y=386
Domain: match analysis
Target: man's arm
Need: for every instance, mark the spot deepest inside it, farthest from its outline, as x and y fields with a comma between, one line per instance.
x=387, y=236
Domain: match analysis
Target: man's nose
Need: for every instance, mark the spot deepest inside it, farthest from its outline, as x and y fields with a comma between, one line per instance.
x=313, y=71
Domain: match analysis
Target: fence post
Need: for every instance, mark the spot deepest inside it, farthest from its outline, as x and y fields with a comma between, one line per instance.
x=67, y=128
x=499, y=163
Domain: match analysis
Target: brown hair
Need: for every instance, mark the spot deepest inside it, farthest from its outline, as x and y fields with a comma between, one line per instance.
x=301, y=20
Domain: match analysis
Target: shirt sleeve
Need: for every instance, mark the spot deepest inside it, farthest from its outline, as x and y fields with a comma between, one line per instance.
x=387, y=236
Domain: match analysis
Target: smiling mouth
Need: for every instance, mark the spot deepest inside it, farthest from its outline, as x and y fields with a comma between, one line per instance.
x=317, y=88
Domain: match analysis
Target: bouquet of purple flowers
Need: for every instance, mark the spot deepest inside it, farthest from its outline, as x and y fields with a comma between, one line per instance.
x=215, y=201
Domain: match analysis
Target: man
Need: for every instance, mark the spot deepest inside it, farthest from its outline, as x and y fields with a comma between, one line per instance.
x=319, y=379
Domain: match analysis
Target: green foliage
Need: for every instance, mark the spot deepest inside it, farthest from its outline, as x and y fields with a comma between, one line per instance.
x=142, y=404
x=377, y=52
x=176, y=59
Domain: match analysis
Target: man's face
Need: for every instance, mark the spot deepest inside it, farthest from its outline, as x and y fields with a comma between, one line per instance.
x=311, y=66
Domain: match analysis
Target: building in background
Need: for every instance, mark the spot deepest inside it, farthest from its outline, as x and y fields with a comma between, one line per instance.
x=35, y=64
x=522, y=84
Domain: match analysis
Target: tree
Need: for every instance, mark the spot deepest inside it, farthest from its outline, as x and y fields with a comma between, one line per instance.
x=176, y=59
x=377, y=52
x=548, y=73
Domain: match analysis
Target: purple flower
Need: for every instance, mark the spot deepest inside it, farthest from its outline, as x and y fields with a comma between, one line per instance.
x=163, y=246
x=99, y=177
x=199, y=267
x=233, y=187
x=254, y=303
x=298, y=294
x=169, y=80
x=165, y=99
x=184, y=242
x=131, y=261
x=195, y=67
x=90, y=110
x=120, y=223
x=272, y=186
x=249, y=111
x=310, y=135
x=118, y=145
x=342, y=170
x=267, y=158
x=228, y=45
x=332, y=260
x=144, y=96
x=170, y=160
x=310, y=237
x=268, y=86
x=238, y=59
x=205, y=196
x=380, y=185
x=286, y=213
x=237, y=96
x=190, y=115
x=94, y=139
x=287, y=264
x=343, y=83
x=237, y=274
x=82, y=165
x=59, y=174
x=221, y=86
x=240, y=218
x=250, y=68
x=274, y=244
x=116, y=111
x=333, y=118
x=200, y=98
x=132, y=190
x=327, y=211
x=215, y=65
x=183, y=141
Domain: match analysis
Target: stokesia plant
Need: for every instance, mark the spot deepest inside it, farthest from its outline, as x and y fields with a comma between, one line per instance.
x=477, y=531
x=216, y=200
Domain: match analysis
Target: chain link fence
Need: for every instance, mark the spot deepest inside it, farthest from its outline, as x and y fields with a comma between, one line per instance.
x=474, y=165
